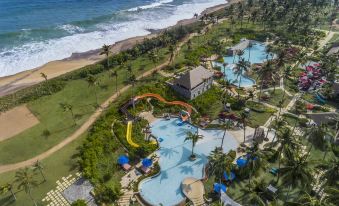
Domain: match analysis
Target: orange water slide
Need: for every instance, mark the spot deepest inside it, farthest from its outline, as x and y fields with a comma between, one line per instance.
x=160, y=98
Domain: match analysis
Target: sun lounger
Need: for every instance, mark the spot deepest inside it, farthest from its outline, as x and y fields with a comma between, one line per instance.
x=145, y=170
x=274, y=171
x=126, y=167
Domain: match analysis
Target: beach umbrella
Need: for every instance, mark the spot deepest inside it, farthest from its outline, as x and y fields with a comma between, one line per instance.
x=123, y=159
x=147, y=162
x=229, y=177
x=219, y=187
x=241, y=162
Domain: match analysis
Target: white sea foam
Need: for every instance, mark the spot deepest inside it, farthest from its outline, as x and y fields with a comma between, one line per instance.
x=35, y=54
x=72, y=29
x=152, y=5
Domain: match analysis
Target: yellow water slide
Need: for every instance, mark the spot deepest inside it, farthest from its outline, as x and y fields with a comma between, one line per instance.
x=129, y=135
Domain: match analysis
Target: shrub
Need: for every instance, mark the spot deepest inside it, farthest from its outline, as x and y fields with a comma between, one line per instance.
x=79, y=203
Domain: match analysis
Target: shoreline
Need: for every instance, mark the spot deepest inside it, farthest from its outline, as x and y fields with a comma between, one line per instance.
x=12, y=83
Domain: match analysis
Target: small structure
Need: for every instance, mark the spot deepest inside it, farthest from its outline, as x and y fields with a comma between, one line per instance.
x=80, y=190
x=259, y=135
x=242, y=45
x=193, y=83
x=333, y=51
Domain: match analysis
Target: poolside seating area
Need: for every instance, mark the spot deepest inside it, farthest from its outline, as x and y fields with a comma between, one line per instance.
x=55, y=197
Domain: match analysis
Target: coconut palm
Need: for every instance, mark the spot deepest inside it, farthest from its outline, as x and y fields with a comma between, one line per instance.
x=93, y=82
x=133, y=80
x=153, y=56
x=296, y=172
x=264, y=73
x=332, y=194
x=220, y=162
x=25, y=180
x=105, y=50
x=224, y=66
x=241, y=67
x=38, y=166
x=317, y=136
x=115, y=75
x=307, y=200
x=68, y=108
x=8, y=187
x=194, y=137
x=330, y=175
x=44, y=76
x=255, y=194
x=227, y=125
x=171, y=49
x=244, y=119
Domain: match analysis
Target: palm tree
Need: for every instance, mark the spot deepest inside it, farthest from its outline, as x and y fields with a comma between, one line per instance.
x=194, y=137
x=25, y=180
x=264, y=73
x=115, y=74
x=68, y=108
x=244, y=119
x=153, y=56
x=296, y=172
x=220, y=162
x=307, y=200
x=40, y=167
x=330, y=175
x=44, y=76
x=7, y=187
x=332, y=194
x=317, y=136
x=93, y=82
x=132, y=80
x=227, y=125
x=224, y=66
x=171, y=49
x=256, y=160
x=241, y=67
x=255, y=193
x=105, y=50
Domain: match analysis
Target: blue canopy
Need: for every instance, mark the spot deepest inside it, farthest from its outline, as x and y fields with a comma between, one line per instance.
x=123, y=160
x=229, y=177
x=241, y=162
x=147, y=162
x=218, y=187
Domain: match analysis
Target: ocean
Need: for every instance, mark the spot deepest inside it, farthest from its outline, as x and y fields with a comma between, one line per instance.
x=34, y=32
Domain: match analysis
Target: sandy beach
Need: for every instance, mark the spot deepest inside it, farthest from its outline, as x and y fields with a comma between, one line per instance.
x=10, y=84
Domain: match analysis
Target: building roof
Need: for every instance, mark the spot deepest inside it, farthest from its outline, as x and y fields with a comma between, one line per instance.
x=333, y=50
x=194, y=77
x=324, y=117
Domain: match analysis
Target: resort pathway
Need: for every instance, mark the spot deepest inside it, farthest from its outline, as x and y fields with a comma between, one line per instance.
x=90, y=120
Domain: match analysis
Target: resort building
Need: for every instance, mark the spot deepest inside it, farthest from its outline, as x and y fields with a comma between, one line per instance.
x=193, y=83
x=242, y=45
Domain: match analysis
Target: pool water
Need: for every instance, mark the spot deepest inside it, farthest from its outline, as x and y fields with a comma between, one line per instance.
x=164, y=189
x=255, y=54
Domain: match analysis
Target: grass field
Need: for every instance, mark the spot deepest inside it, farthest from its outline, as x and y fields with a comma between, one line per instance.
x=276, y=97
x=59, y=123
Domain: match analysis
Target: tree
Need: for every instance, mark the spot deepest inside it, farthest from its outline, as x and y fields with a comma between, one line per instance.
x=79, y=203
x=330, y=175
x=332, y=194
x=115, y=74
x=224, y=66
x=93, y=82
x=132, y=80
x=44, y=76
x=265, y=73
x=241, y=67
x=227, y=125
x=220, y=162
x=255, y=193
x=40, y=167
x=244, y=120
x=68, y=108
x=317, y=136
x=307, y=200
x=25, y=180
x=194, y=137
x=153, y=56
x=7, y=187
x=105, y=50
x=172, y=52
x=296, y=172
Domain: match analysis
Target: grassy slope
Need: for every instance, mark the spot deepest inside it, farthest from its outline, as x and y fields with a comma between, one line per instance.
x=59, y=123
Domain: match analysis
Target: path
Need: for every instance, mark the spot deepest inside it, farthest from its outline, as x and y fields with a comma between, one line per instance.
x=89, y=121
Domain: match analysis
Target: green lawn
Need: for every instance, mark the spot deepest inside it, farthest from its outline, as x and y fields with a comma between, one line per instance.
x=62, y=163
x=59, y=123
x=276, y=97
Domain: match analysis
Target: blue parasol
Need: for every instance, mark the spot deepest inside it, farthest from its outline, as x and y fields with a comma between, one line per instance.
x=218, y=187
x=241, y=162
x=123, y=160
x=229, y=177
x=147, y=162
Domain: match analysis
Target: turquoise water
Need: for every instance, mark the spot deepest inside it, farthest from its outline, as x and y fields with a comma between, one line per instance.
x=175, y=166
x=34, y=32
x=256, y=54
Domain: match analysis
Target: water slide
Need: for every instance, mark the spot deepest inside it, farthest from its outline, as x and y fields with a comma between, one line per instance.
x=161, y=99
x=129, y=135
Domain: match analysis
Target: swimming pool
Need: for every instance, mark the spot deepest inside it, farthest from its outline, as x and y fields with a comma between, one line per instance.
x=165, y=188
x=255, y=54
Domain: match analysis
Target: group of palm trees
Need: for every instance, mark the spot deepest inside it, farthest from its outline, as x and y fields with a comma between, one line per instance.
x=25, y=179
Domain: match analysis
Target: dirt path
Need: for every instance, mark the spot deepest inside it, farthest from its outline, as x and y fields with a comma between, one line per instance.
x=89, y=122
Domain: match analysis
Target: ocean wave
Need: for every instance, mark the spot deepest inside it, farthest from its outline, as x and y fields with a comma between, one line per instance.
x=37, y=53
x=72, y=29
x=152, y=5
